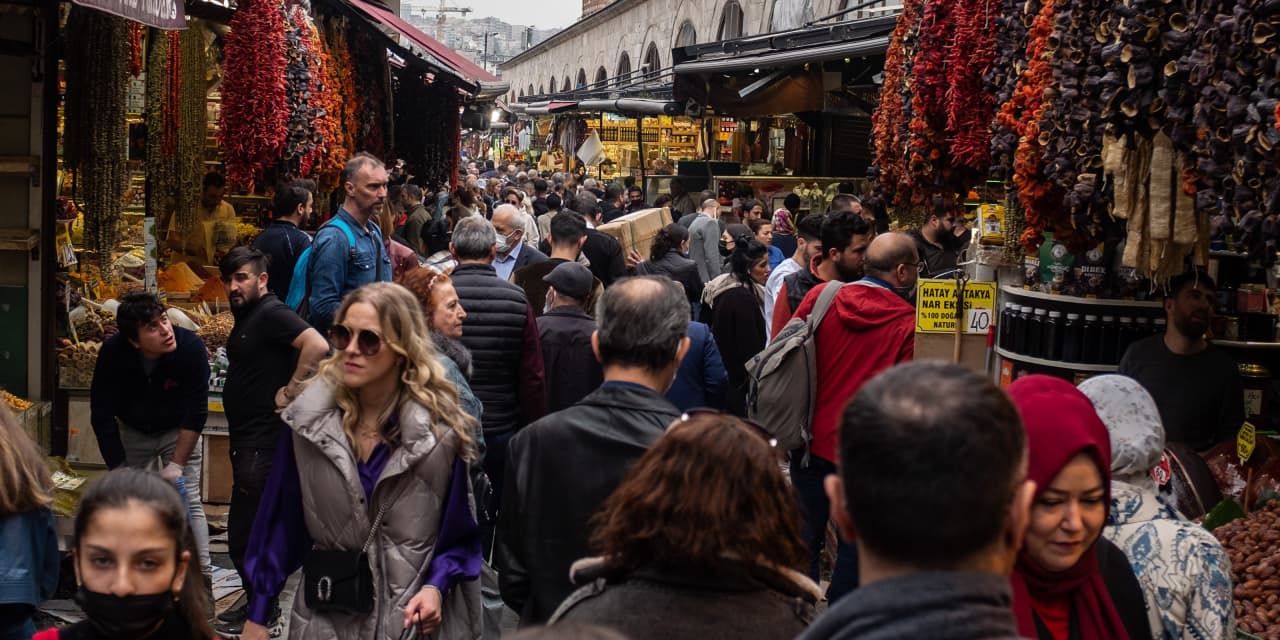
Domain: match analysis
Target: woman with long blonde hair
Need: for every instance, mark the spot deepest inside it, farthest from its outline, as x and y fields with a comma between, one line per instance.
x=373, y=474
x=29, y=564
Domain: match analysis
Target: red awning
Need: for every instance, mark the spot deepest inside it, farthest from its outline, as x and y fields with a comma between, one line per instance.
x=429, y=48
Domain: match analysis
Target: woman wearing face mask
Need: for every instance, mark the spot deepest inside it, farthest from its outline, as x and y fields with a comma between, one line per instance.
x=134, y=556
x=1184, y=571
x=733, y=306
x=372, y=471
x=29, y=562
x=669, y=256
x=1069, y=582
x=763, y=233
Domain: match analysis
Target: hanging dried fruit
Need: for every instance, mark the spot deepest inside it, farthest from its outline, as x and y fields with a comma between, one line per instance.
x=889, y=122
x=255, y=111
x=970, y=106
x=96, y=140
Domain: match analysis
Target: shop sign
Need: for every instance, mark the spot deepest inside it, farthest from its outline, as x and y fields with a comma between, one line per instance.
x=1246, y=440
x=936, y=306
x=161, y=14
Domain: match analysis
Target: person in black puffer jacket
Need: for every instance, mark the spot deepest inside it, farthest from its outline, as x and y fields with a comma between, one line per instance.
x=501, y=334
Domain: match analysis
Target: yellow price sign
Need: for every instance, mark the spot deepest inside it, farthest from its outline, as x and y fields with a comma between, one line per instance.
x=1245, y=441
x=936, y=307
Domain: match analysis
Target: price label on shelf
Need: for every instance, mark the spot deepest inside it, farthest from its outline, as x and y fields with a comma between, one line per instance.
x=936, y=307
x=1246, y=439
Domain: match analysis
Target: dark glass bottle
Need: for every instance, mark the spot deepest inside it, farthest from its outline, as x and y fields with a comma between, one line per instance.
x=1125, y=336
x=1110, y=336
x=1090, y=340
x=1020, y=325
x=1072, y=338
x=1035, y=329
x=1051, y=337
x=1008, y=318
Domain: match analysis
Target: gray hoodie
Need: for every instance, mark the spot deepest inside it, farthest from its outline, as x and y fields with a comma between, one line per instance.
x=939, y=605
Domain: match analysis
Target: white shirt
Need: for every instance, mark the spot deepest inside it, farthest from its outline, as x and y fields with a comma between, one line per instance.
x=771, y=288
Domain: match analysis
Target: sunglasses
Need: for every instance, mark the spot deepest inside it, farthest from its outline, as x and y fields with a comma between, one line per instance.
x=754, y=426
x=368, y=341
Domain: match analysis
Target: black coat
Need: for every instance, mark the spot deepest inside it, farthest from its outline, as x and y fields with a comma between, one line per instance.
x=679, y=268
x=559, y=471
x=499, y=331
x=572, y=368
x=605, y=254
x=737, y=322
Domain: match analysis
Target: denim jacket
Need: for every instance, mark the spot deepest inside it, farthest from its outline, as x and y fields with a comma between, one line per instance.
x=29, y=564
x=337, y=268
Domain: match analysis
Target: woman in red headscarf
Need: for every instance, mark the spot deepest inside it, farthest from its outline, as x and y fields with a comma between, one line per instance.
x=1068, y=582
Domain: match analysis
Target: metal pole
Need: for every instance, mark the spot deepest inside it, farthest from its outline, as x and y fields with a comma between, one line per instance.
x=643, y=161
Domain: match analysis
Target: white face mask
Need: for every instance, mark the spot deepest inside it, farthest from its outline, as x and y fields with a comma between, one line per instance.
x=504, y=244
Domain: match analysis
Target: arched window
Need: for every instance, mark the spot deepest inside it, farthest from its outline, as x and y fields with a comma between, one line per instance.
x=652, y=59
x=624, y=67
x=582, y=78
x=565, y=86
x=730, y=22
x=687, y=34
x=601, y=76
x=531, y=90
x=552, y=84
x=790, y=14
x=541, y=91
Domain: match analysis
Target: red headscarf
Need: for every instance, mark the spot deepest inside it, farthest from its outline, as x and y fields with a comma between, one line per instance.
x=1061, y=423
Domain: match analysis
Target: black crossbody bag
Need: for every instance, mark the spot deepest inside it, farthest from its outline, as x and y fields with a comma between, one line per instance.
x=341, y=580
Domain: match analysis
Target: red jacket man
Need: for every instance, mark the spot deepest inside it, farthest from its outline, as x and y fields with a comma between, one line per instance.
x=869, y=328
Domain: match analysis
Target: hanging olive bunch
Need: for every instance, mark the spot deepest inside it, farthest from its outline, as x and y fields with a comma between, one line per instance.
x=193, y=125
x=96, y=144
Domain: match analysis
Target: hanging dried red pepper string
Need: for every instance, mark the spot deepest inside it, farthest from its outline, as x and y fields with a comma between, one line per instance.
x=254, y=108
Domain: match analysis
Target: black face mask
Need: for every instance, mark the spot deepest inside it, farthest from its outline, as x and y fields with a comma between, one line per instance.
x=125, y=616
x=724, y=250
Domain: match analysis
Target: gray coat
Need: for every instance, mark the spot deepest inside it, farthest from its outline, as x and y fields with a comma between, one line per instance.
x=415, y=484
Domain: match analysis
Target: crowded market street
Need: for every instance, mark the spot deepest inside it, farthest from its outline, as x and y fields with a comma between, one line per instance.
x=653, y=320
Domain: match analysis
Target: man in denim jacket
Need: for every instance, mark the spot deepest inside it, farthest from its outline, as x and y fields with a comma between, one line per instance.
x=337, y=267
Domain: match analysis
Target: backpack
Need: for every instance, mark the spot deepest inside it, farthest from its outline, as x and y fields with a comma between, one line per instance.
x=299, y=289
x=782, y=379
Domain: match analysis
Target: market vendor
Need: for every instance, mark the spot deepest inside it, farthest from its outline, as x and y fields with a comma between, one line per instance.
x=938, y=244
x=1195, y=384
x=207, y=239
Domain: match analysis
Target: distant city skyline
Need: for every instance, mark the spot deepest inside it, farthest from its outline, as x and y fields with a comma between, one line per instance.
x=542, y=14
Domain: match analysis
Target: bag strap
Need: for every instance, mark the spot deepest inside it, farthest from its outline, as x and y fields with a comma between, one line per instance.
x=823, y=303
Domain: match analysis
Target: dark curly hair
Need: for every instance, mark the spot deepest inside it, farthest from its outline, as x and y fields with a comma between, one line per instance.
x=709, y=488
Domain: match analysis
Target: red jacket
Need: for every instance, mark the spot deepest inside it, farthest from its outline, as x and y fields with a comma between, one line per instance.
x=867, y=329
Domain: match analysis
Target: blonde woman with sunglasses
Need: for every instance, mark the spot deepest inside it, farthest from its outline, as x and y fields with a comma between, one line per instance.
x=369, y=493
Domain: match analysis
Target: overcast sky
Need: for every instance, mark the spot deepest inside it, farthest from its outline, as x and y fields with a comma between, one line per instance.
x=543, y=14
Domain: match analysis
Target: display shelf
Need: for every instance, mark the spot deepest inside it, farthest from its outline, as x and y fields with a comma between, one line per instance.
x=1057, y=364
x=20, y=166
x=1243, y=344
x=18, y=239
x=1098, y=302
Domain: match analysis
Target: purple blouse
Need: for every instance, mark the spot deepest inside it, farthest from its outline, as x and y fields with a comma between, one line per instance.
x=279, y=542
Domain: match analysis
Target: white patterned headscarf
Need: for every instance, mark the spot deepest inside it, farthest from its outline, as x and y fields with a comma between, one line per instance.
x=1133, y=421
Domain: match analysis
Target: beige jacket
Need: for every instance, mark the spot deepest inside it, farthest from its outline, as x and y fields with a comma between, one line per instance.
x=415, y=482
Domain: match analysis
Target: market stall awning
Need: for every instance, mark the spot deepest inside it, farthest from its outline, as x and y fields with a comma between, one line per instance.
x=161, y=14
x=544, y=108
x=785, y=59
x=431, y=50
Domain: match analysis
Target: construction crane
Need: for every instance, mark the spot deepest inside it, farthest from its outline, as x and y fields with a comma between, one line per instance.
x=444, y=8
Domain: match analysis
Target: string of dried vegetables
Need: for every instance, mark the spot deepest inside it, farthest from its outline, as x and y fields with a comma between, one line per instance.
x=193, y=128
x=302, y=144
x=330, y=102
x=372, y=104
x=889, y=121
x=339, y=47
x=137, y=31
x=927, y=161
x=255, y=114
x=161, y=172
x=96, y=143
x=1001, y=80
x=970, y=107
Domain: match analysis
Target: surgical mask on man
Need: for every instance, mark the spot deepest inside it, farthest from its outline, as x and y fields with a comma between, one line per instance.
x=504, y=244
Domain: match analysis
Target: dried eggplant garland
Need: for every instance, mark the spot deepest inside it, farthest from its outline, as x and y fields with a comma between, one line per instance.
x=889, y=122
x=302, y=140
x=96, y=143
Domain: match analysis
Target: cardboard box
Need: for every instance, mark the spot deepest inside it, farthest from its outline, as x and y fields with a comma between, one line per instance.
x=635, y=231
x=215, y=482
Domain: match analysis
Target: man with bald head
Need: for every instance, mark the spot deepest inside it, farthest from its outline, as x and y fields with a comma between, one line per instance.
x=513, y=251
x=869, y=327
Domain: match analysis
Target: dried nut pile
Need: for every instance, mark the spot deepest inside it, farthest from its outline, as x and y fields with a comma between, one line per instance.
x=1253, y=542
x=76, y=363
x=216, y=331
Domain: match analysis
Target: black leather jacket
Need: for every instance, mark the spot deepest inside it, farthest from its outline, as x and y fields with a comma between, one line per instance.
x=559, y=471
